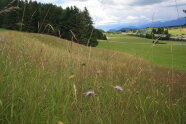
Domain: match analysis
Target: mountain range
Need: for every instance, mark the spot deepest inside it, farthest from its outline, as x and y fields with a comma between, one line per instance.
x=120, y=27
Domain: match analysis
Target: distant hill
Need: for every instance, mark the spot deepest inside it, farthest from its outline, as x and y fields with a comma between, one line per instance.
x=176, y=22
x=122, y=29
x=129, y=28
x=112, y=30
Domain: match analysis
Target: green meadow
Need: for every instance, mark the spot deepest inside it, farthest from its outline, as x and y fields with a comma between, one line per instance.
x=177, y=31
x=43, y=80
x=167, y=53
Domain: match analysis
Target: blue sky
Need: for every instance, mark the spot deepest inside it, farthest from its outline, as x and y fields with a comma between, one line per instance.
x=126, y=12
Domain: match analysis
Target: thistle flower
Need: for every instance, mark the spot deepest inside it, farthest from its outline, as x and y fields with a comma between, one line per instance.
x=89, y=93
x=118, y=88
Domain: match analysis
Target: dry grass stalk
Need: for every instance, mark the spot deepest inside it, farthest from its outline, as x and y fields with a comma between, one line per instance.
x=73, y=35
x=10, y=3
x=38, y=26
x=49, y=27
x=8, y=10
x=59, y=32
x=43, y=20
x=90, y=37
x=75, y=92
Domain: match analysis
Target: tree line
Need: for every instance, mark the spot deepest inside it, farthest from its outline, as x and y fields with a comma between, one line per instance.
x=160, y=30
x=70, y=23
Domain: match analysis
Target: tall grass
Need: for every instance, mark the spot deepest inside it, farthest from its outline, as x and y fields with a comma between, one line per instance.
x=9, y=8
x=42, y=82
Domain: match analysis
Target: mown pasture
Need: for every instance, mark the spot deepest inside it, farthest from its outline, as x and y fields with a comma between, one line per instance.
x=177, y=31
x=167, y=53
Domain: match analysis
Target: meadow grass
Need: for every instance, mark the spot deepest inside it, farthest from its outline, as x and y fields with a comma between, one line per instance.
x=158, y=54
x=1, y=29
x=43, y=80
x=178, y=31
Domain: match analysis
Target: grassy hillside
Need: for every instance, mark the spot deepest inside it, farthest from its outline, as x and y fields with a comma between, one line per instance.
x=167, y=54
x=43, y=80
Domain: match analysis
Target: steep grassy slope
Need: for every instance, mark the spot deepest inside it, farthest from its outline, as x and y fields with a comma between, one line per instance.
x=169, y=53
x=43, y=80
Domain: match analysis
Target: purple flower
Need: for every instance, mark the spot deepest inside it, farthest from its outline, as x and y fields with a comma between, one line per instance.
x=89, y=93
x=118, y=88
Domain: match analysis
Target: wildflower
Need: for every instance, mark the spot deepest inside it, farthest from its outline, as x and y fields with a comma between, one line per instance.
x=118, y=88
x=89, y=93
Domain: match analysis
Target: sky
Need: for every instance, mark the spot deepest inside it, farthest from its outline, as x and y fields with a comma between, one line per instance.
x=126, y=12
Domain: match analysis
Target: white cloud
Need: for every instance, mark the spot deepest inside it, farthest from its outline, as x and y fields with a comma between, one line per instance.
x=108, y=12
x=46, y=1
x=132, y=17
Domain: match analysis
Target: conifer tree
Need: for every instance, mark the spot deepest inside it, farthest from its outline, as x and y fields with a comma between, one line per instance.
x=70, y=23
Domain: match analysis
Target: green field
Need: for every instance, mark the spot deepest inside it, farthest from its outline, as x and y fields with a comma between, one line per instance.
x=177, y=31
x=170, y=54
x=173, y=31
x=43, y=80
